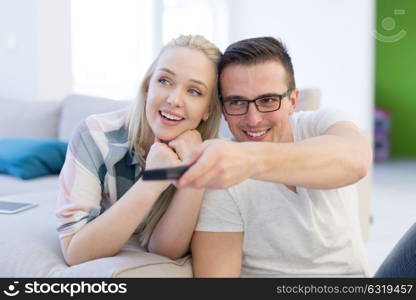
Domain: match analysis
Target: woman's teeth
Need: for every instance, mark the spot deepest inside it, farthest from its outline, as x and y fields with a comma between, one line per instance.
x=170, y=117
x=256, y=134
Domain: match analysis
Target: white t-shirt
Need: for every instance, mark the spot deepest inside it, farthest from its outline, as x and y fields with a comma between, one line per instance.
x=310, y=233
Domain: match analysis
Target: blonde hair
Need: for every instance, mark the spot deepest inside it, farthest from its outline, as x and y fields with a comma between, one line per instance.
x=141, y=137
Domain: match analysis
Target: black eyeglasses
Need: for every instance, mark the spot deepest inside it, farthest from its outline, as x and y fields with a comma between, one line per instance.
x=264, y=104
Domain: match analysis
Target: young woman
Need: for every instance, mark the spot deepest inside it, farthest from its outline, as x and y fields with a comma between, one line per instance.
x=102, y=199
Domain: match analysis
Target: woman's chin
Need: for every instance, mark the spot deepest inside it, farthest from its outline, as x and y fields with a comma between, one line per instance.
x=169, y=135
x=166, y=138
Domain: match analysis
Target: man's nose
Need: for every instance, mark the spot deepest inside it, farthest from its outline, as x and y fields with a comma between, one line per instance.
x=176, y=97
x=253, y=116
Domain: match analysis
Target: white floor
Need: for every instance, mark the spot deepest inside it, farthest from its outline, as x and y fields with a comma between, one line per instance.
x=393, y=207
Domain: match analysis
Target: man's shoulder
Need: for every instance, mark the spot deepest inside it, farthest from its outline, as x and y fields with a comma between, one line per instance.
x=308, y=124
x=327, y=110
x=323, y=112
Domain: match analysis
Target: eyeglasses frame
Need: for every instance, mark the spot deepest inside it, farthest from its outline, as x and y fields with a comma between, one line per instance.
x=280, y=96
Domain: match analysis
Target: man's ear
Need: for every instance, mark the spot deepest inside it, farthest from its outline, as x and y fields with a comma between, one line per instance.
x=293, y=99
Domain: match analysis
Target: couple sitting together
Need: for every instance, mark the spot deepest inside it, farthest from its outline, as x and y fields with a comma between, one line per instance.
x=277, y=201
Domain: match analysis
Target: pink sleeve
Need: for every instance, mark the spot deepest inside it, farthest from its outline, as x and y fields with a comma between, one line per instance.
x=79, y=196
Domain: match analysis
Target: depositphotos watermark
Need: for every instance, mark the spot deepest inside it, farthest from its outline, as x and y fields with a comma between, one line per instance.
x=389, y=24
x=70, y=289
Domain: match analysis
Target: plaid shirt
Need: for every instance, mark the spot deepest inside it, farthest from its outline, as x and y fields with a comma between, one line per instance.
x=98, y=170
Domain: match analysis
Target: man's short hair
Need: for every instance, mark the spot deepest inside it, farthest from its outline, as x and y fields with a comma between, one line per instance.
x=258, y=50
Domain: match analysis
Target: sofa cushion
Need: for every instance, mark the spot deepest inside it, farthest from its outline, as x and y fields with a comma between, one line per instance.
x=76, y=108
x=28, y=158
x=13, y=185
x=36, y=119
x=30, y=248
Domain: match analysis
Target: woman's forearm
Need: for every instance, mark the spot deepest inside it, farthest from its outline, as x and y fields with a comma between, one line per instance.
x=105, y=235
x=172, y=235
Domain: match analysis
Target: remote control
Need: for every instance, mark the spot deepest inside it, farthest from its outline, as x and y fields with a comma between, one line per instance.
x=165, y=173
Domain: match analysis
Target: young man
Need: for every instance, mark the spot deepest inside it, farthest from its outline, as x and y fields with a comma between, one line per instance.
x=293, y=209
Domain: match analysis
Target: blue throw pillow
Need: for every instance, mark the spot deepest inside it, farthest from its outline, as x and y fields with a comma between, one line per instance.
x=30, y=158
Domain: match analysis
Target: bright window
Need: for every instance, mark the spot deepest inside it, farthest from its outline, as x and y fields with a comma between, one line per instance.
x=205, y=17
x=105, y=47
x=114, y=42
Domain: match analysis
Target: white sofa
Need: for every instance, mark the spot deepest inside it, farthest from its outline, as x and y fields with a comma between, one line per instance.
x=28, y=240
x=45, y=119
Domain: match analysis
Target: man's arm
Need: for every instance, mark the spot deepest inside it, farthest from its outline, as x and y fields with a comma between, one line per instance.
x=339, y=157
x=217, y=254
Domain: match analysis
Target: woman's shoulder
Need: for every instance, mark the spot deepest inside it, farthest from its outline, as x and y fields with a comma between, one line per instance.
x=100, y=130
x=107, y=122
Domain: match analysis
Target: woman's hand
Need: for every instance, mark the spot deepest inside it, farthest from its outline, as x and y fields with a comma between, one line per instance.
x=185, y=142
x=160, y=156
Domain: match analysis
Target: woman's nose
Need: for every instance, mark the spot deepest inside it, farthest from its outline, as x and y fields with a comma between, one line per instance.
x=176, y=97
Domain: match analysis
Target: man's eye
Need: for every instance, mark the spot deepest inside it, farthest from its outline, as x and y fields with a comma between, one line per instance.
x=194, y=92
x=236, y=102
x=267, y=100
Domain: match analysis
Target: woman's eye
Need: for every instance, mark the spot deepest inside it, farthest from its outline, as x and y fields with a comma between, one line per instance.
x=194, y=92
x=163, y=81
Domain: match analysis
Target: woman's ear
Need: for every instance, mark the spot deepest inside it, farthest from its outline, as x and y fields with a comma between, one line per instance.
x=206, y=115
x=145, y=90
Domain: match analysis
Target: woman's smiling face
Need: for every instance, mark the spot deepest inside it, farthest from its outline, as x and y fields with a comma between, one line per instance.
x=180, y=92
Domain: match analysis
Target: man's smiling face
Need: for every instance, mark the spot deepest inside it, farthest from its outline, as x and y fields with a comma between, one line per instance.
x=250, y=82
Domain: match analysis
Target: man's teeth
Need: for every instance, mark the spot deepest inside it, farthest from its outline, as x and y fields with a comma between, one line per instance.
x=256, y=134
x=171, y=117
